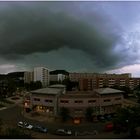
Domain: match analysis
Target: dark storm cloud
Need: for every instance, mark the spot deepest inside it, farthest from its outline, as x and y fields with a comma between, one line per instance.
x=27, y=28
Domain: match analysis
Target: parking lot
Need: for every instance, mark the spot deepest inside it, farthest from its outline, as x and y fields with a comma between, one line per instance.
x=12, y=115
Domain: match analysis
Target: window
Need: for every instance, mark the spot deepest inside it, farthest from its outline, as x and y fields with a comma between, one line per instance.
x=91, y=101
x=117, y=98
x=64, y=101
x=48, y=101
x=107, y=100
x=36, y=99
x=78, y=101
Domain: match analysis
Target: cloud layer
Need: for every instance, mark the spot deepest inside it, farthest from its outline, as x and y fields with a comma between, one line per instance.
x=27, y=28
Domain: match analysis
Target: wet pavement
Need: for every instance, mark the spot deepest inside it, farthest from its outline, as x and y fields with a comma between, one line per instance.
x=14, y=113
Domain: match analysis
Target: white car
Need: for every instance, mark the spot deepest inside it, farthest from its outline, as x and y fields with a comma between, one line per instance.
x=25, y=125
x=63, y=132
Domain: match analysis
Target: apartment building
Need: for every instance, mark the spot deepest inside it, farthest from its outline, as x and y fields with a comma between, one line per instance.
x=77, y=76
x=37, y=74
x=50, y=101
x=90, y=84
x=42, y=74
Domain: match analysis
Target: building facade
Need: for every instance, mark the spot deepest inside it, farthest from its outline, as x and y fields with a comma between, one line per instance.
x=51, y=100
x=78, y=76
x=94, y=83
x=101, y=102
x=28, y=76
x=42, y=74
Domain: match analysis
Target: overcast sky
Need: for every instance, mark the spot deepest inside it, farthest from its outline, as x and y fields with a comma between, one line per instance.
x=75, y=36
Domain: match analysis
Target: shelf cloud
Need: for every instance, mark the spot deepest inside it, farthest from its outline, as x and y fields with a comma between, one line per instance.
x=27, y=28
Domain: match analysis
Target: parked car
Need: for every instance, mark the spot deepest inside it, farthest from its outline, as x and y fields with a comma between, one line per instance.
x=101, y=118
x=109, y=127
x=40, y=129
x=25, y=125
x=63, y=132
x=107, y=117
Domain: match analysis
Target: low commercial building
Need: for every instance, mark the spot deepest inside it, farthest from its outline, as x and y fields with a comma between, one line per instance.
x=51, y=100
x=102, y=101
x=45, y=100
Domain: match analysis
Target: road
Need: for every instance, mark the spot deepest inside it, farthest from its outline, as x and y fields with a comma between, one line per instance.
x=13, y=114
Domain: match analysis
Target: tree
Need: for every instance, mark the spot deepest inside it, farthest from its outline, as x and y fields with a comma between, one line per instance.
x=11, y=86
x=33, y=85
x=16, y=133
x=69, y=84
x=89, y=113
x=64, y=113
x=1, y=123
x=138, y=95
x=126, y=90
x=129, y=118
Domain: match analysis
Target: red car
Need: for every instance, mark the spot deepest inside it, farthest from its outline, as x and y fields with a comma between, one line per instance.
x=109, y=127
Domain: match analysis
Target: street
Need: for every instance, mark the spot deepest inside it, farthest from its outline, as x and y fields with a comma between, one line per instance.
x=12, y=115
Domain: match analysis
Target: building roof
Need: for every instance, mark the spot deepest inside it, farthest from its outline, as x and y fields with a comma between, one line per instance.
x=57, y=86
x=52, y=91
x=79, y=94
x=108, y=91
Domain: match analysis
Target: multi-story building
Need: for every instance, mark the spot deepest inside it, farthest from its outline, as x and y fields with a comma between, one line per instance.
x=77, y=76
x=51, y=100
x=93, y=83
x=41, y=74
x=28, y=76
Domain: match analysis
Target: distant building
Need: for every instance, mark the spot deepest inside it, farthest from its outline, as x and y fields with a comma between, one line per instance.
x=77, y=76
x=28, y=76
x=42, y=74
x=93, y=83
x=58, y=75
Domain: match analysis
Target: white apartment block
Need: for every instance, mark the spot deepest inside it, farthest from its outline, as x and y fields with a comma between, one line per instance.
x=42, y=74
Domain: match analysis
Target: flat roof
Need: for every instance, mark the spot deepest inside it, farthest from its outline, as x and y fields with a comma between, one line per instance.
x=79, y=94
x=52, y=91
x=108, y=91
